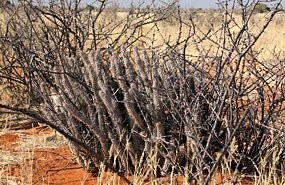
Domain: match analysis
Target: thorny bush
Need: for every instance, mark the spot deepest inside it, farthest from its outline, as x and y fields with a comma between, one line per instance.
x=127, y=106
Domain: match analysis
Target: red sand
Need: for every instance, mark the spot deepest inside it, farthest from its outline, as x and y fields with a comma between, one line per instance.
x=57, y=166
x=47, y=165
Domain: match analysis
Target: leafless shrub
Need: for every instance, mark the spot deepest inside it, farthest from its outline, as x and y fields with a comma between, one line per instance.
x=118, y=103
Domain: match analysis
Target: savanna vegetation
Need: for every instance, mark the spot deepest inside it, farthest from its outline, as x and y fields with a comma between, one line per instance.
x=155, y=91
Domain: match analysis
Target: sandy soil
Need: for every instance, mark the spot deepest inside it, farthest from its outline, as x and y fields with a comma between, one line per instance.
x=45, y=165
x=55, y=165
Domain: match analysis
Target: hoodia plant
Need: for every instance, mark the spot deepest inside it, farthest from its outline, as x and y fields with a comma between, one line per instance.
x=157, y=110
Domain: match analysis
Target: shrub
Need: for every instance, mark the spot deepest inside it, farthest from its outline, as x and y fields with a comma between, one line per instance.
x=261, y=8
x=89, y=7
x=154, y=109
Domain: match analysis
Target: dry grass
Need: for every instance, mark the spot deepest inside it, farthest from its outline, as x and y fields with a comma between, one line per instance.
x=20, y=155
x=272, y=40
